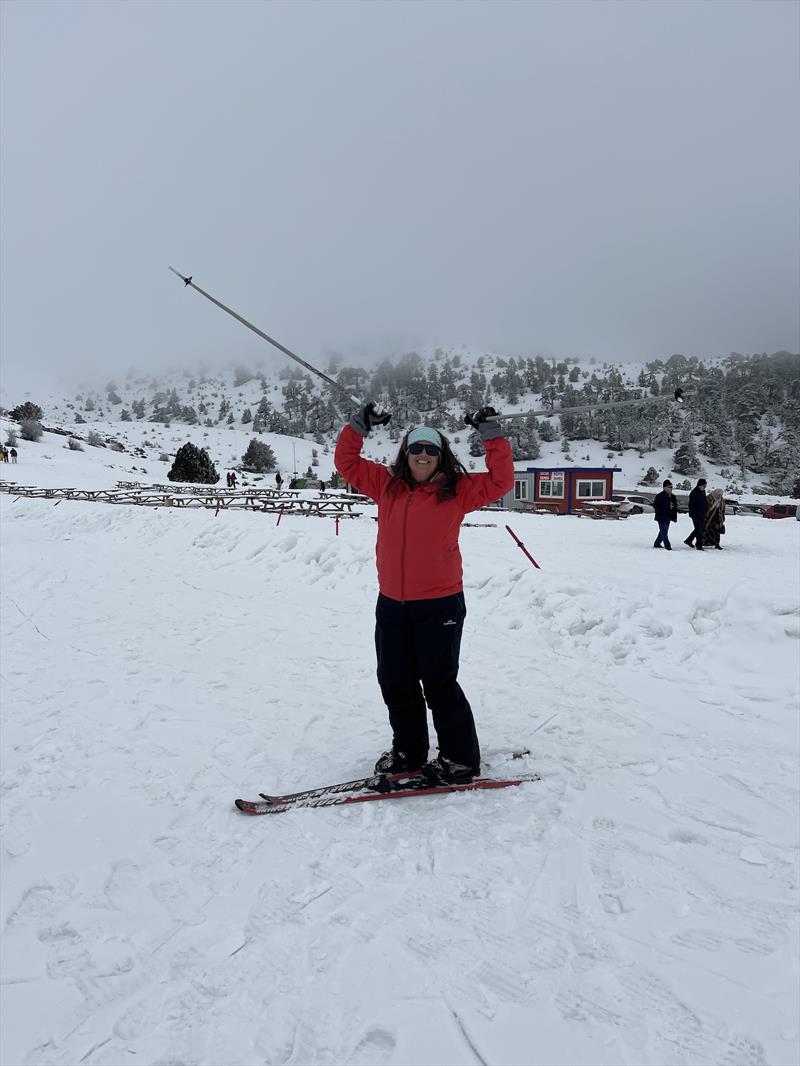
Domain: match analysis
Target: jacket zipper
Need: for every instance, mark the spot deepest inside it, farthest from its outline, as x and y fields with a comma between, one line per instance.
x=403, y=550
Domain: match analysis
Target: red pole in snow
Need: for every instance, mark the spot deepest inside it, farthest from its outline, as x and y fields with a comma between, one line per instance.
x=521, y=545
x=217, y=510
x=337, y=525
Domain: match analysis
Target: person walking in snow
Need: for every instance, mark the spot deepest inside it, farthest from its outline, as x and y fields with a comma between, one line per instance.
x=278, y=481
x=715, y=520
x=233, y=479
x=422, y=499
x=666, y=510
x=698, y=505
x=13, y=455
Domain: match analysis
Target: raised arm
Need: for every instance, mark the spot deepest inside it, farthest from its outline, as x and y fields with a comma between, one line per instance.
x=480, y=489
x=366, y=476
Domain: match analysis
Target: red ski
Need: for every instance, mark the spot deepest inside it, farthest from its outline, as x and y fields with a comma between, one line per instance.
x=404, y=788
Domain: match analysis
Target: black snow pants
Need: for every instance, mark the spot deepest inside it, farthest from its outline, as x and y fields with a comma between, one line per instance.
x=419, y=642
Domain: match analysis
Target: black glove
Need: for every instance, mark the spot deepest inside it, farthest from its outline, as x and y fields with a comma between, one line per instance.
x=484, y=415
x=486, y=422
x=368, y=417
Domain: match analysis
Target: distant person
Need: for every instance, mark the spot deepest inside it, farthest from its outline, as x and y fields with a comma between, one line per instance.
x=715, y=520
x=322, y=486
x=698, y=505
x=666, y=510
x=13, y=455
x=3, y=455
x=278, y=481
x=233, y=479
x=293, y=483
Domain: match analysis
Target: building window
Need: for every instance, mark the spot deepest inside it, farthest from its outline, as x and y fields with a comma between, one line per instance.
x=521, y=489
x=552, y=487
x=591, y=490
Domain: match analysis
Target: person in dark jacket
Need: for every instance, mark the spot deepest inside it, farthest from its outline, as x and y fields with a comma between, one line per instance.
x=422, y=500
x=698, y=505
x=666, y=510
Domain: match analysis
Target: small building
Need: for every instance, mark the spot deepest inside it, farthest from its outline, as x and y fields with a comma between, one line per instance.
x=563, y=489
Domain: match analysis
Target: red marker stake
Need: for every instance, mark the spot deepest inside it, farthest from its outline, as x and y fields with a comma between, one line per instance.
x=337, y=525
x=521, y=545
x=280, y=516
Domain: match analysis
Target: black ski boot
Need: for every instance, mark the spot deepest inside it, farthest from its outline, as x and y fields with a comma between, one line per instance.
x=397, y=762
x=443, y=771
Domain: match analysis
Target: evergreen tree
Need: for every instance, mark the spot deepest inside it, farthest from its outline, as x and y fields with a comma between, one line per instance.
x=651, y=477
x=194, y=465
x=685, y=460
x=27, y=412
x=547, y=431
x=259, y=457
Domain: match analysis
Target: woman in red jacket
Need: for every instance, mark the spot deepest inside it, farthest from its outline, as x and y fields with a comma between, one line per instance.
x=422, y=499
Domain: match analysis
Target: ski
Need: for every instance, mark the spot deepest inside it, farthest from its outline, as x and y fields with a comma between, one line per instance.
x=360, y=784
x=381, y=789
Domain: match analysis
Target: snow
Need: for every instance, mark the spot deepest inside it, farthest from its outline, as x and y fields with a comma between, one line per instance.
x=637, y=905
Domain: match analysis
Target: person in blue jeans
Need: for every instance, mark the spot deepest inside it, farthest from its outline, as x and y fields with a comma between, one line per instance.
x=666, y=510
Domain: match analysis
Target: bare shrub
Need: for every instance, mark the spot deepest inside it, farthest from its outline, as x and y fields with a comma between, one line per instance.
x=31, y=430
x=74, y=445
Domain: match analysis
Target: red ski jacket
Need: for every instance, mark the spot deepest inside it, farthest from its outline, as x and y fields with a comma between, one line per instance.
x=417, y=550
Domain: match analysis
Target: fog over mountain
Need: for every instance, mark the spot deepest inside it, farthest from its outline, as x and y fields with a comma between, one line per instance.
x=598, y=179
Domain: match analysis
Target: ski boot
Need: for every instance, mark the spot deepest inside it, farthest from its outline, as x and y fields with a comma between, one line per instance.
x=398, y=762
x=443, y=771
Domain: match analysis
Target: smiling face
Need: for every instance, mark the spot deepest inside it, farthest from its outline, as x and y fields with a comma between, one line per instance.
x=423, y=465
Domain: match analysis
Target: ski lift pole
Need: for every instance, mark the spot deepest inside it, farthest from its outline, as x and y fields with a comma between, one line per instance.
x=187, y=281
x=521, y=545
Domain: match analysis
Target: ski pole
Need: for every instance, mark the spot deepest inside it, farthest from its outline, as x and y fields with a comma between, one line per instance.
x=521, y=545
x=187, y=281
x=678, y=397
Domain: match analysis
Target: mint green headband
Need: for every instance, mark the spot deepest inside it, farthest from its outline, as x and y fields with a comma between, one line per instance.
x=425, y=433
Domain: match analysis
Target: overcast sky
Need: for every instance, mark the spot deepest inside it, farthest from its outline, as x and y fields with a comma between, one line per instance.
x=610, y=179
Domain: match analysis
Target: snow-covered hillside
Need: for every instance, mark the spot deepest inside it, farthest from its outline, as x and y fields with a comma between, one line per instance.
x=222, y=411
x=638, y=905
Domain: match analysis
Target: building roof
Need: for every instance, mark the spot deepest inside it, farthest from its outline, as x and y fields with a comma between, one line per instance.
x=572, y=469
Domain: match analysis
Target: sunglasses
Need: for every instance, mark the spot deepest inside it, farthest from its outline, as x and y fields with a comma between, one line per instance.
x=422, y=446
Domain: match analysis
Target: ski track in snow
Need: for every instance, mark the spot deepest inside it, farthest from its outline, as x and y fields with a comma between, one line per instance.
x=638, y=905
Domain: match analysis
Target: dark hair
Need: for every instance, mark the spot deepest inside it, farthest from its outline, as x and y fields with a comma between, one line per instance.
x=702, y=481
x=667, y=482
x=448, y=473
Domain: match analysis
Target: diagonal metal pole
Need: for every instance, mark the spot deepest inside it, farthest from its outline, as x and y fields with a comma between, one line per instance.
x=265, y=336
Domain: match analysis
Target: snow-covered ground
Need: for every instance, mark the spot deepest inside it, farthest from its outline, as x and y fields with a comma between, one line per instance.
x=638, y=905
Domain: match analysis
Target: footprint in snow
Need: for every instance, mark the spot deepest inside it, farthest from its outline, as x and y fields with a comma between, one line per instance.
x=375, y=1046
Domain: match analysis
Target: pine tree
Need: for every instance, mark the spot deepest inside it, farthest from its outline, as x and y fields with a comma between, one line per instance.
x=685, y=460
x=259, y=457
x=27, y=412
x=194, y=465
